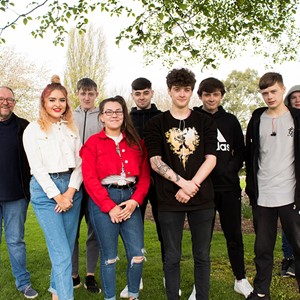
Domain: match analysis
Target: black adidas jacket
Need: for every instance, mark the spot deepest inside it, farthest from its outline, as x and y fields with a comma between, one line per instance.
x=230, y=150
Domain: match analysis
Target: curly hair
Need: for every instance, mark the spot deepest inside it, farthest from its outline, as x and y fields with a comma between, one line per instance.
x=181, y=77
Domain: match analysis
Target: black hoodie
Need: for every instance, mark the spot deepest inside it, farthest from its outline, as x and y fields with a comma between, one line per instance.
x=140, y=117
x=230, y=150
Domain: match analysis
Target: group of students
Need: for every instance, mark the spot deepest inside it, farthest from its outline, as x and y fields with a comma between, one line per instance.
x=195, y=156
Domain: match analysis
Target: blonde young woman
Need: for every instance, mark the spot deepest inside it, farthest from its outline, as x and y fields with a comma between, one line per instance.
x=52, y=146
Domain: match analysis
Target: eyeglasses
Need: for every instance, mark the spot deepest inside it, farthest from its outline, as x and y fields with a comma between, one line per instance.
x=110, y=112
x=9, y=100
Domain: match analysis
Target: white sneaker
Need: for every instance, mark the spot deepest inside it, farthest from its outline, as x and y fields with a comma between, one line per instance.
x=124, y=292
x=164, y=282
x=193, y=294
x=243, y=287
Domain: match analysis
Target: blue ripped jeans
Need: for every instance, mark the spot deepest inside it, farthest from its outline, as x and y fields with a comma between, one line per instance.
x=107, y=234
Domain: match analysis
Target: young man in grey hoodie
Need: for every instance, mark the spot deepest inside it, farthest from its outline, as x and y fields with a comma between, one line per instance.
x=292, y=98
x=87, y=121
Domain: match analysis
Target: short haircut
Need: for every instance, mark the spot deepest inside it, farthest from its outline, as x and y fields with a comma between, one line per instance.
x=211, y=85
x=181, y=77
x=270, y=79
x=86, y=84
x=141, y=83
x=8, y=88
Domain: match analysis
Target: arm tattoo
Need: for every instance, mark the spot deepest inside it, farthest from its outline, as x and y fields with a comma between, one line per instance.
x=163, y=168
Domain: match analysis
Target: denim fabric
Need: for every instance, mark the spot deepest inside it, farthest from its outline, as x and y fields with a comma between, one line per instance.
x=60, y=232
x=201, y=225
x=107, y=233
x=286, y=247
x=14, y=215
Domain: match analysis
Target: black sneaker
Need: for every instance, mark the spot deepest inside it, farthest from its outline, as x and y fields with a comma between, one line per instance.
x=291, y=269
x=254, y=296
x=91, y=284
x=29, y=292
x=284, y=267
x=76, y=282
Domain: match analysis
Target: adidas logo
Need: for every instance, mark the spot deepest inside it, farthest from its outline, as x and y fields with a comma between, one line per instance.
x=222, y=143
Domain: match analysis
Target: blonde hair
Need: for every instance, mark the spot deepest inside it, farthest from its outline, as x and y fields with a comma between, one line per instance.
x=44, y=120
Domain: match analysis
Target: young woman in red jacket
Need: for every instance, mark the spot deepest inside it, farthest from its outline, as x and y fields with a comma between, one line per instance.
x=116, y=175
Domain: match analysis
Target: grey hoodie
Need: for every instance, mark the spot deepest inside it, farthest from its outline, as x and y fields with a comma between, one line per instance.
x=87, y=122
x=295, y=88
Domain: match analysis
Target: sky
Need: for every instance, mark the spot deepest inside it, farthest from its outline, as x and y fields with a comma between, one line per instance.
x=125, y=65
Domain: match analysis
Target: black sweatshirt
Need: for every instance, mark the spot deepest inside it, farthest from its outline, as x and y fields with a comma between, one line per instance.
x=230, y=150
x=142, y=116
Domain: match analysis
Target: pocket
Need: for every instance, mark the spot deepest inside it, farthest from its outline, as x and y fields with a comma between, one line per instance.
x=34, y=185
x=132, y=190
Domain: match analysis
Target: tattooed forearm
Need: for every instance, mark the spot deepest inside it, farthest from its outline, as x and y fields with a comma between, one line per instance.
x=161, y=167
x=164, y=170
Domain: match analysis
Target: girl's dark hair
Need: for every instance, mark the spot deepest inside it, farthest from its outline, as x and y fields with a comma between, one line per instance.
x=132, y=137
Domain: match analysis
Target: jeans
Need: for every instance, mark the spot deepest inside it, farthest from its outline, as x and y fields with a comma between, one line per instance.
x=265, y=226
x=60, y=232
x=228, y=204
x=201, y=226
x=14, y=215
x=107, y=233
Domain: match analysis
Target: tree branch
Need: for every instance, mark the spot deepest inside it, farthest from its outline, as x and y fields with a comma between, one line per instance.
x=21, y=16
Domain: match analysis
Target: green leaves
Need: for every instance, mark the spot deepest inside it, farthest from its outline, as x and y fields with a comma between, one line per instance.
x=242, y=95
x=204, y=31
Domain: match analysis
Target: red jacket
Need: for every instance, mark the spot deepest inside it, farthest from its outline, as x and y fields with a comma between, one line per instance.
x=100, y=159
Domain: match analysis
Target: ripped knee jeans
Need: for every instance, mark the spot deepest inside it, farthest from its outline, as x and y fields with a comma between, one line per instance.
x=107, y=234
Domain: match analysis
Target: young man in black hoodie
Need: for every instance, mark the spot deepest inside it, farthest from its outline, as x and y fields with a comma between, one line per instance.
x=225, y=176
x=142, y=94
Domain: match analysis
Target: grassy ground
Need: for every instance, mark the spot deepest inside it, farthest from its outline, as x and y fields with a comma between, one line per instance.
x=221, y=275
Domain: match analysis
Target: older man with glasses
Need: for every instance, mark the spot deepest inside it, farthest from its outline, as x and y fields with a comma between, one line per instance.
x=14, y=189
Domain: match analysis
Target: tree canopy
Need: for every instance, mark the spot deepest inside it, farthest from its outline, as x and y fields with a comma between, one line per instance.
x=21, y=74
x=242, y=94
x=86, y=57
x=203, y=31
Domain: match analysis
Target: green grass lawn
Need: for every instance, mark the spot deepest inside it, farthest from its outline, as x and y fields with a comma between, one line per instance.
x=221, y=275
